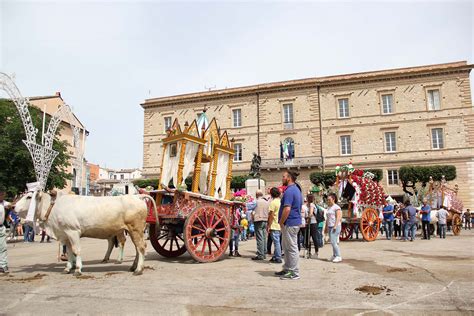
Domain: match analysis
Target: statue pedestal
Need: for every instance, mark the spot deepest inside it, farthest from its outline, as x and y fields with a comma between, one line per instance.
x=251, y=185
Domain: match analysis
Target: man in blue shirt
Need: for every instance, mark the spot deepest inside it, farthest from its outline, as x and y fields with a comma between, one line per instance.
x=388, y=219
x=289, y=218
x=425, y=219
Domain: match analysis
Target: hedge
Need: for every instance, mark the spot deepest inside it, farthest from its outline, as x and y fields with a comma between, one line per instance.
x=153, y=182
x=421, y=174
x=237, y=182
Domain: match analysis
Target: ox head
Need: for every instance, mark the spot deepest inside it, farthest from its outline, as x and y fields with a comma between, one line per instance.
x=41, y=201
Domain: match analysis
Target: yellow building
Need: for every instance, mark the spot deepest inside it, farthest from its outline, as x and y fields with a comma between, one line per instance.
x=381, y=119
x=50, y=105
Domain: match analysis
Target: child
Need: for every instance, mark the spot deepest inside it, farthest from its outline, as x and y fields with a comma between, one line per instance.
x=251, y=230
x=244, y=223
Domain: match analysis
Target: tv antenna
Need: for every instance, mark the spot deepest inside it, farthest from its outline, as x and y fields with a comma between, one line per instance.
x=209, y=88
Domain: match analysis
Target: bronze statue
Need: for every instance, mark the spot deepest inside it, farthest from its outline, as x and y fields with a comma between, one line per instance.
x=255, y=166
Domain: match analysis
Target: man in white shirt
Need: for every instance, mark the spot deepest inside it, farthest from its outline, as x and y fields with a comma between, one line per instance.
x=4, y=205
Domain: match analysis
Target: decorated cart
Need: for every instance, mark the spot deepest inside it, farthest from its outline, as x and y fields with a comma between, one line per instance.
x=360, y=199
x=196, y=220
x=440, y=195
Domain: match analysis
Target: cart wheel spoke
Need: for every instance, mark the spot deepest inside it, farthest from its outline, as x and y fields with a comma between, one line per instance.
x=200, y=221
x=213, y=241
x=198, y=228
x=203, y=245
x=209, y=245
x=198, y=235
x=216, y=223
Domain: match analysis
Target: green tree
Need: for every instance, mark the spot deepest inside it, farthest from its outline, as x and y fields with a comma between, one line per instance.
x=16, y=164
x=238, y=182
x=327, y=179
x=410, y=176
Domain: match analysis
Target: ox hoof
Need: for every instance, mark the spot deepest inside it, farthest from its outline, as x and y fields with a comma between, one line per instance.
x=138, y=272
x=105, y=261
x=66, y=271
x=77, y=273
x=118, y=262
x=132, y=269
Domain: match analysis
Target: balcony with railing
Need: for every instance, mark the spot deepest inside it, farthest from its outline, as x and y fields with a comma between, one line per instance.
x=288, y=125
x=304, y=162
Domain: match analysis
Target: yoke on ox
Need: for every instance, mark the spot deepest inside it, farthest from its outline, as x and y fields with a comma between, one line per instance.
x=72, y=217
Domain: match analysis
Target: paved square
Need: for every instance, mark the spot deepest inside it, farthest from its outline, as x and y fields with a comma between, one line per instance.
x=434, y=277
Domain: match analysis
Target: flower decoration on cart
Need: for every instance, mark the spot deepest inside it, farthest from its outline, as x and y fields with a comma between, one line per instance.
x=358, y=187
x=242, y=196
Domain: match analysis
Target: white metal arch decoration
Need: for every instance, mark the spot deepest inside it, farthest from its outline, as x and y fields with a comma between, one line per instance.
x=42, y=154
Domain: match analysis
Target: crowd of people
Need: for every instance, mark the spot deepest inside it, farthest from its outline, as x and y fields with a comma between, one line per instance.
x=285, y=222
x=282, y=220
x=288, y=222
x=400, y=221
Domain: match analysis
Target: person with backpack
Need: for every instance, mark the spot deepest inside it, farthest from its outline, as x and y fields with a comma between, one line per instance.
x=316, y=224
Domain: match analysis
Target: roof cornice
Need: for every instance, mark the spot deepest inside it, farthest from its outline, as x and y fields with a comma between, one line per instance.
x=361, y=77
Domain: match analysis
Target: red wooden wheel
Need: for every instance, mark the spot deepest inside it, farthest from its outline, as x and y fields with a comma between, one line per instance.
x=168, y=242
x=370, y=224
x=456, y=224
x=207, y=233
x=346, y=231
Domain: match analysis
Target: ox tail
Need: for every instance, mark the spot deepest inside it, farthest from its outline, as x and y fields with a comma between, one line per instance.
x=155, y=211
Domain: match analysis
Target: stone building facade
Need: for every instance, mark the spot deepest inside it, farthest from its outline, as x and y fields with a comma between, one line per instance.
x=381, y=119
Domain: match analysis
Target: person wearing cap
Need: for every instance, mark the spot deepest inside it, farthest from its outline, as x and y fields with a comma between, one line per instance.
x=387, y=219
x=4, y=206
x=260, y=218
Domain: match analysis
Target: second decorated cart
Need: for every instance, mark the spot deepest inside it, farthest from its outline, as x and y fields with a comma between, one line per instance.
x=198, y=220
x=361, y=198
x=441, y=196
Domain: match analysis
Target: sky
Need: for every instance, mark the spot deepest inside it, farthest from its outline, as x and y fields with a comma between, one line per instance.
x=107, y=57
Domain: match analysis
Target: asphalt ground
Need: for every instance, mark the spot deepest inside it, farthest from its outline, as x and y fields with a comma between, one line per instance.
x=432, y=277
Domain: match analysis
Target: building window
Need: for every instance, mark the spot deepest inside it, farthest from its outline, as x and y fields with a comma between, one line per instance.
x=288, y=116
x=433, y=100
x=121, y=177
x=167, y=123
x=390, y=142
x=343, y=107
x=346, y=147
x=392, y=177
x=238, y=152
x=115, y=177
x=437, y=138
x=237, y=117
x=387, y=103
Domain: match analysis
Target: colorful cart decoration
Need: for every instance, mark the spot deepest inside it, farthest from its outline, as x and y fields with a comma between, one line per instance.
x=440, y=195
x=197, y=221
x=363, y=197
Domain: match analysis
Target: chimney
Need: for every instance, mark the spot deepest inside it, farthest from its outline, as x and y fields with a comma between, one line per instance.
x=58, y=94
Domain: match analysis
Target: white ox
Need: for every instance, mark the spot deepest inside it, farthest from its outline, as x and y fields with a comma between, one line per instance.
x=73, y=217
